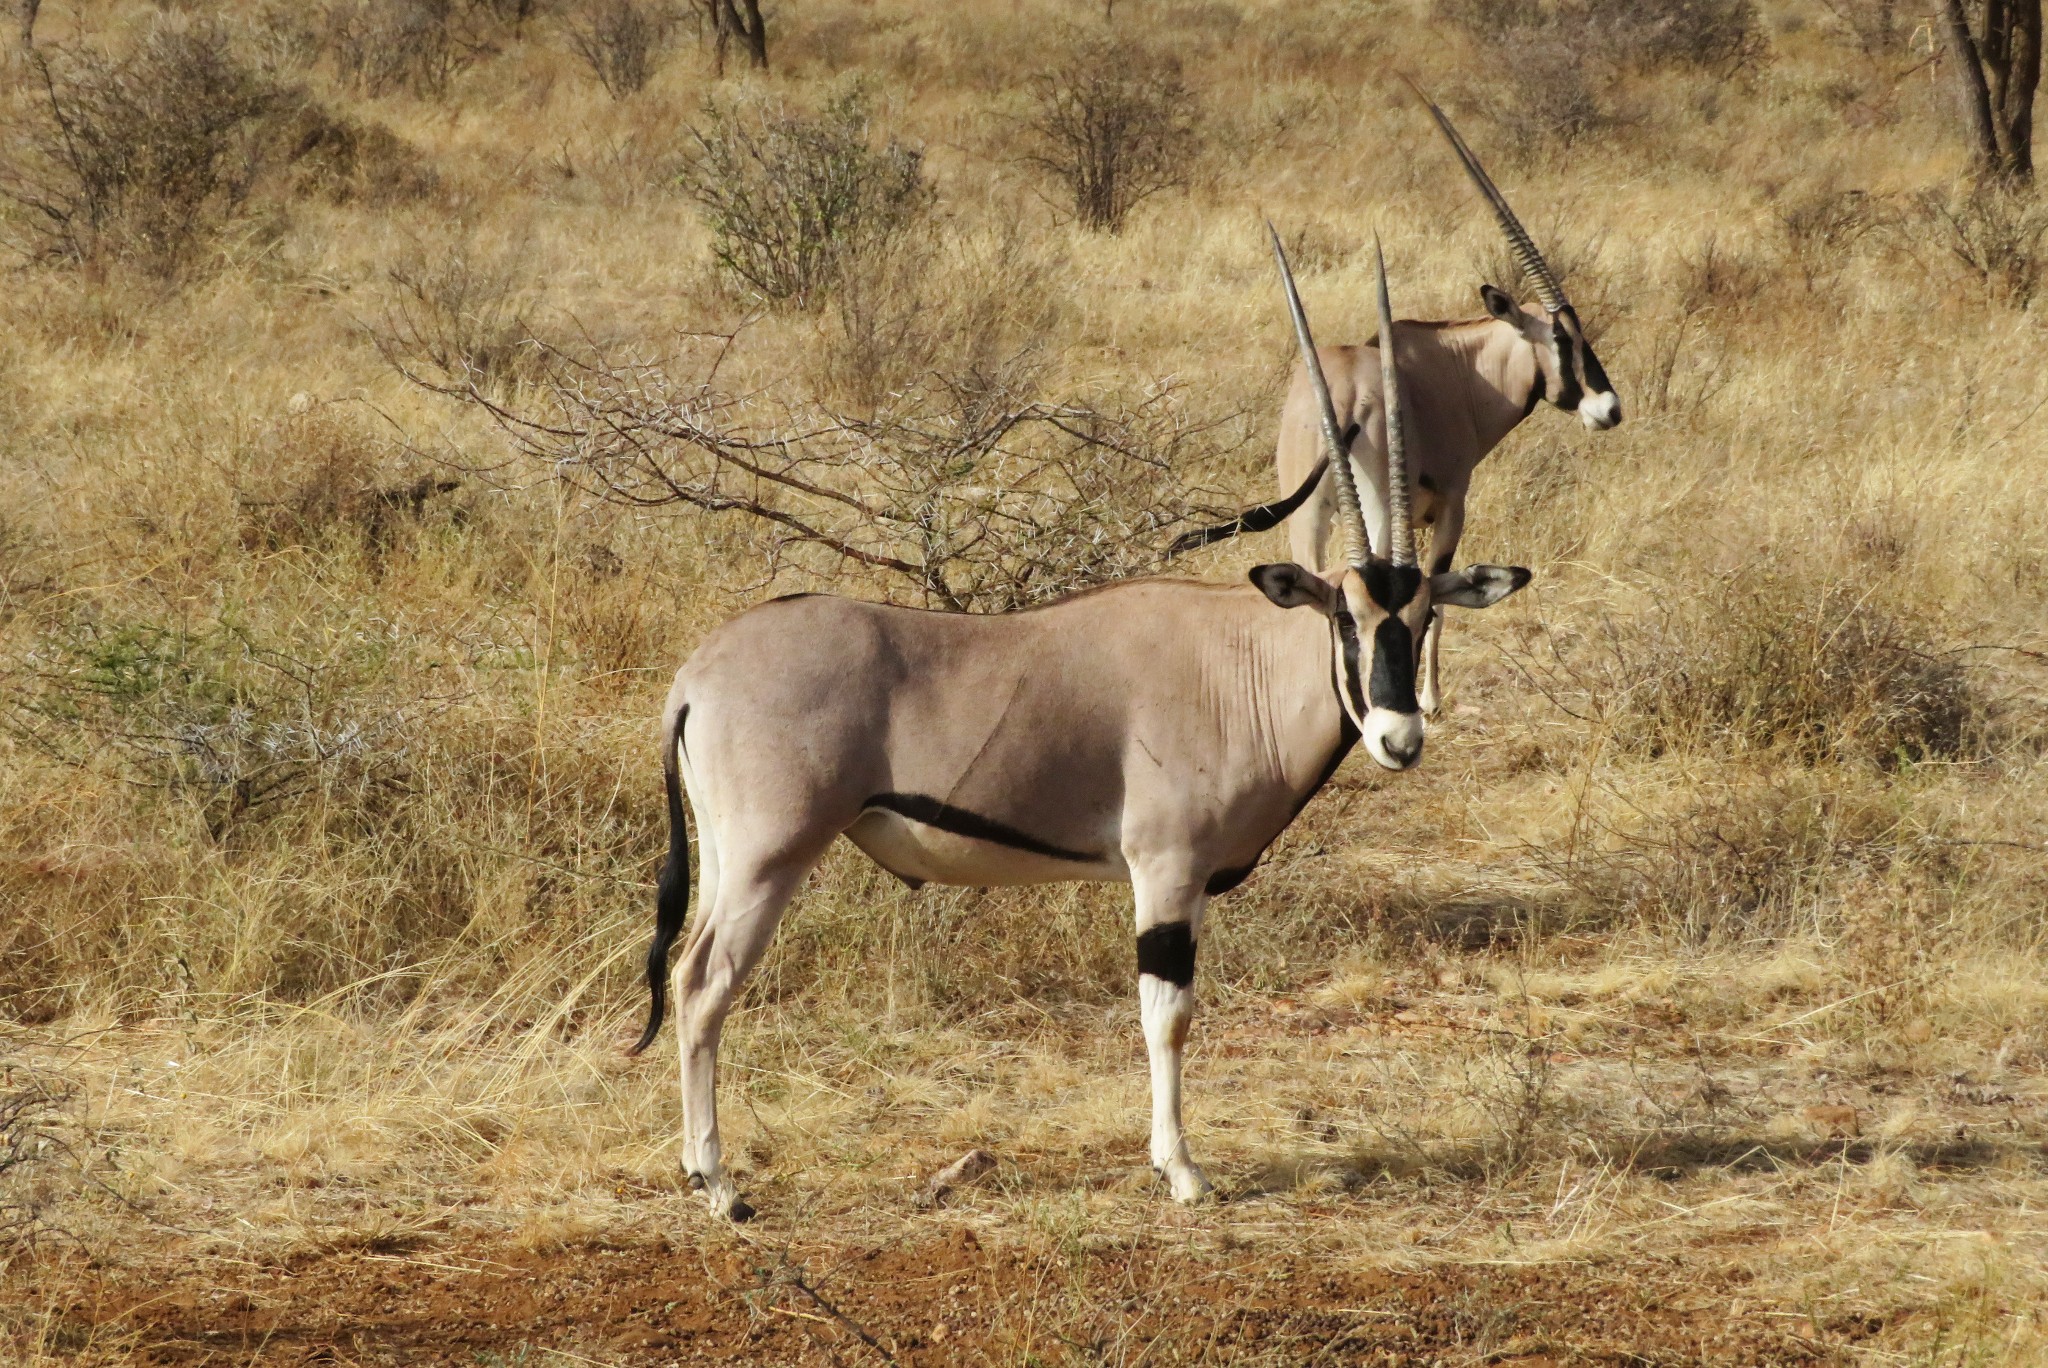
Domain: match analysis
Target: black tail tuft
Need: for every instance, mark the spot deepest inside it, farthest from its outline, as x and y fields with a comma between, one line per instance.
x=1252, y=519
x=671, y=892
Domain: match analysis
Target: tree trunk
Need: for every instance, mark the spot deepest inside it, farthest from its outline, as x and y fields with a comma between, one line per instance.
x=2013, y=108
x=1997, y=70
x=712, y=12
x=1970, y=87
x=742, y=18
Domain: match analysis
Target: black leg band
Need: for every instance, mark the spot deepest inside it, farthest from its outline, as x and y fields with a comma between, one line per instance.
x=1167, y=952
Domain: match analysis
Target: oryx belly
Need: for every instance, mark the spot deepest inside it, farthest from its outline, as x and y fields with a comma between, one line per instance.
x=937, y=844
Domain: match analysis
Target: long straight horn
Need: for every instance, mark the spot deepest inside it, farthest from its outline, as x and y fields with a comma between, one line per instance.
x=1519, y=242
x=1357, y=545
x=1402, y=543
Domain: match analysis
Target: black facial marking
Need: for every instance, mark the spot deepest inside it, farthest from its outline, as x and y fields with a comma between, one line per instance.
x=1595, y=373
x=931, y=812
x=1347, y=635
x=1391, y=586
x=1426, y=482
x=1393, y=666
x=1535, y=394
x=1569, y=389
x=1167, y=952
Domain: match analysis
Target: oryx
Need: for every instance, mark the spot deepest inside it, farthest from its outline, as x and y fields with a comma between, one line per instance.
x=1468, y=383
x=1157, y=732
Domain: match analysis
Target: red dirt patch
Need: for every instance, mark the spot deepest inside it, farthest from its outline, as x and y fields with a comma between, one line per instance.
x=947, y=1301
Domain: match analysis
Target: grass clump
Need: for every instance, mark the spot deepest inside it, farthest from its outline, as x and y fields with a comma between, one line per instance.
x=1778, y=662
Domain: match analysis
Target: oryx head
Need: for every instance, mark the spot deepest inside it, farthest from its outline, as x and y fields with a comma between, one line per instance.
x=1568, y=373
x=1379, y=605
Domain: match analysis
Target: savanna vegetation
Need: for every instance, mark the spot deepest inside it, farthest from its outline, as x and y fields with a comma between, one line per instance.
x=394, y=390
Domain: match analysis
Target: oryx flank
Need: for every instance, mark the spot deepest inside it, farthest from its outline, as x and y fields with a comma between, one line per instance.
x=1469, y=383
x=1157, y=732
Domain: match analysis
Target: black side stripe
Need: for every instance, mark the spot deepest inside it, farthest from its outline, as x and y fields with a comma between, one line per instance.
x=919, y=807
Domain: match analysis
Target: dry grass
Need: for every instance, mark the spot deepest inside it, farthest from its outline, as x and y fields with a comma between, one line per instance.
x=1710, y=933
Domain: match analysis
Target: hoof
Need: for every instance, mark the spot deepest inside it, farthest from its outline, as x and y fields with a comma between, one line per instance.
x=1188, y=1184
x=739, y=1213
x=695, y=1180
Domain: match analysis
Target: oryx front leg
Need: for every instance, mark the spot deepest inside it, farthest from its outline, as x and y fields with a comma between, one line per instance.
x=733, y=930
x=1169, y=923
x=1444, y=536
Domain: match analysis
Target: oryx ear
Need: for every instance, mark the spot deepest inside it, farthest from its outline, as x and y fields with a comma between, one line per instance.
x=1477, y=586
x=1290, y=586
x=1500, y=306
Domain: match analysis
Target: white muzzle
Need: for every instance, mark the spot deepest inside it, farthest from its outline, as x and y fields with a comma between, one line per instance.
x=1393, y=739
x=1600, y=411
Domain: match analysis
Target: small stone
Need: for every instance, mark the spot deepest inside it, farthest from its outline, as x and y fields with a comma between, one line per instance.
x=968, y=1168
x=1836, y=1120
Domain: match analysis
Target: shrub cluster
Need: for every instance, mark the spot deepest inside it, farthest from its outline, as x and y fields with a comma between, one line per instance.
x=790, y=196
x=623, y=42
x=145, y=156
x=1111, y=125
x=418, y=47
x=148, y=157
x=1557, y=61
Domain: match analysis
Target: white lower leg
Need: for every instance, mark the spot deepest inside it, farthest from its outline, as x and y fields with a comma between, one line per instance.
x=1166, y=1009
x=699, y=1019
x=1166, y=1006
x=1431, y=694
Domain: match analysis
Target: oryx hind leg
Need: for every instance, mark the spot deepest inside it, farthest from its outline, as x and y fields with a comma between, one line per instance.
x=1169, y=924
x=747, y=887
x=1308, y=531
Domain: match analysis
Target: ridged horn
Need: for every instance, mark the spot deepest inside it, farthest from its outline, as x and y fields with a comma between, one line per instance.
x=1401, y=543
x=1519, y=242
x=1357, y=545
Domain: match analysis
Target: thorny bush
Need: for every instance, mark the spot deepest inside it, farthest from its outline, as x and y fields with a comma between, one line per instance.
x=971, y=491
x=457, y=311
x=623, y=42
x=238, y=725
x=791, y=197
x=33, y=1144
x=1556, y=66
x=1996, y=237
x=1757, y=859
x=415, y=46
x=1111, y=125
x=141, y=157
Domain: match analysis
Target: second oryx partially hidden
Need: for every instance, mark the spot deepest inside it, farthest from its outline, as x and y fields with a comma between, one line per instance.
x=1468, y=384
x=1156, y=732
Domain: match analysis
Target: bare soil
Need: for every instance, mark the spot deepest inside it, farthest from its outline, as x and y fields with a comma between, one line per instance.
x=957, y=1299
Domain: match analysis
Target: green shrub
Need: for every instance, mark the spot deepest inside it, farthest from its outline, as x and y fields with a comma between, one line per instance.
x=791, y=197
